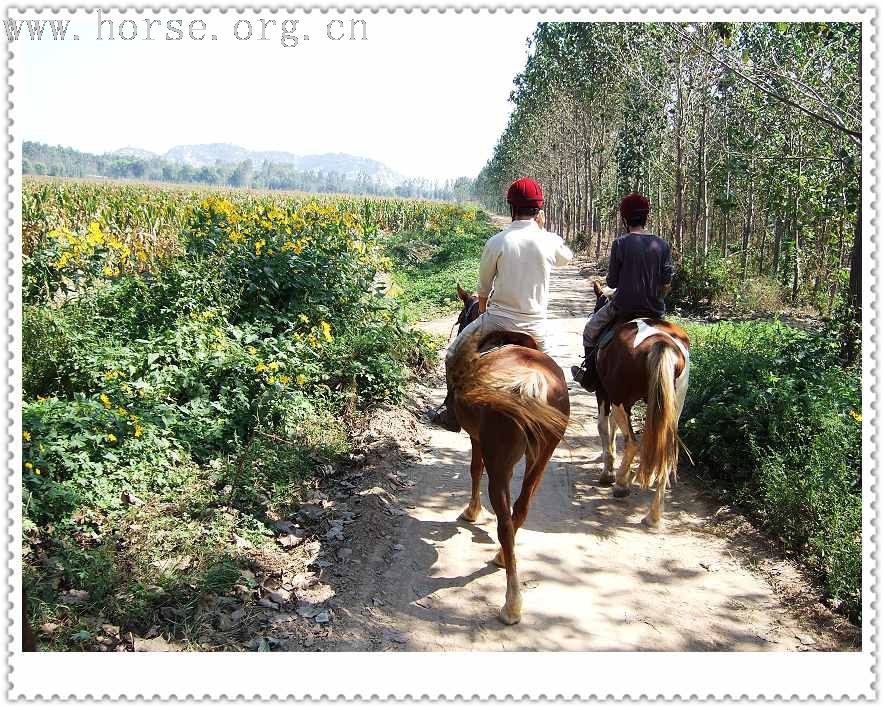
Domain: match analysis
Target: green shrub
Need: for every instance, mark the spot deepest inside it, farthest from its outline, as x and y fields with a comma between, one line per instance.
x=774, y=420
x=701, y=280
x=170, y=409
x=428, y=266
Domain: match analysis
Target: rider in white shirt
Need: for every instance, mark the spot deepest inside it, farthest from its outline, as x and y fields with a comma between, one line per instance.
x=516, y=265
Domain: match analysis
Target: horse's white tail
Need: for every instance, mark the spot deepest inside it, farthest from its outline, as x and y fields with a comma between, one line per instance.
x=659, y=454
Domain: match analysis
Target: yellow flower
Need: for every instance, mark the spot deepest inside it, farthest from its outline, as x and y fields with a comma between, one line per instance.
x=105, y=401
x=251, y=350
x=37, y=471
x=138, y=430
x=235, y=236
x=110, y=272
x=95, y=237
x=304, y=318
x=26, y=436
x=111, y=438
x=122, y=411
x=261, y=367
x=301, y=379
x=326, y=332
x=273, y=366
x=856, y=416
x=62, y=262
x=285, y=379
x=29, y=465
x=259, y=245
x=271, y=380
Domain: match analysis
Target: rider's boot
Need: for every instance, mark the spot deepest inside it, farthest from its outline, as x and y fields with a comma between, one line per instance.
x=445, y=415
x=586, y=374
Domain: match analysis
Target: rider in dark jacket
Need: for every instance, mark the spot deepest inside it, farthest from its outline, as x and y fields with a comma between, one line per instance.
x=640, y=268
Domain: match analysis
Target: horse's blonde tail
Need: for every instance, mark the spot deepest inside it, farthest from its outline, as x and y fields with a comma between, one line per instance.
x=659, y=453
x=520, y=393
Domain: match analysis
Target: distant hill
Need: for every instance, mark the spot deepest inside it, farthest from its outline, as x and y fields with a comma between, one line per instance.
x=348, y=166
x=231, y=165
x=134, y=152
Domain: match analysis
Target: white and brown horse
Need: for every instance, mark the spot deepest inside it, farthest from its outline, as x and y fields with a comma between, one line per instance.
x=513, y=402
x=647, y=359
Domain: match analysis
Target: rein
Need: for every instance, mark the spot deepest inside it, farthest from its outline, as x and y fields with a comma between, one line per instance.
x=467, y=315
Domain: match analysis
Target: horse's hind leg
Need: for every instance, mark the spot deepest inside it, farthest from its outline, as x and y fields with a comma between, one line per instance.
x=606, y=437
x=655, y=513
x=477, y=465
x=500, y=457
x=511, y=612
x=625, y=474
x=534, y=471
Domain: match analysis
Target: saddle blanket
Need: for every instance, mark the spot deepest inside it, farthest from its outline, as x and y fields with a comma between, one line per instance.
x=644, y=331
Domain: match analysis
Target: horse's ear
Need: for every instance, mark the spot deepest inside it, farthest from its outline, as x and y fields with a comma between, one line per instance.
x=597, y=287
x=463, y=294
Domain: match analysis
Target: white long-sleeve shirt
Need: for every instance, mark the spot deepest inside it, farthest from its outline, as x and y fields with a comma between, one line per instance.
x=516, y=264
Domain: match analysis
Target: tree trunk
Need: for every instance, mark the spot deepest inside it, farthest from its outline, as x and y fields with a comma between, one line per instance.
x=855, y=286
x=747, y=230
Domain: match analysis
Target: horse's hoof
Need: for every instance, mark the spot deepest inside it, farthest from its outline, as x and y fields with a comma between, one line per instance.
x=498, y=559
x=470, y=516
x=650, y=524
x=606, y=480
x=620, y=492
x=509, y=616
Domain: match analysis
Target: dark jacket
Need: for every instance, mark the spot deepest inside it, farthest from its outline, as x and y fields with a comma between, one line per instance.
x=639, y=266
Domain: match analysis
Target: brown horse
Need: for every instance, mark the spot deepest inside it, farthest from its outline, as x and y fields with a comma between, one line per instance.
x=513, y=402
x=647, y=359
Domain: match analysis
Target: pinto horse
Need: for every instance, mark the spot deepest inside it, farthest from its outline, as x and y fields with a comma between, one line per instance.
x=513, y=402
x=647, y=359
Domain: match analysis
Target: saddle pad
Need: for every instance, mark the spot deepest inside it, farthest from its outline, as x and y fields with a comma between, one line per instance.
x=645, y=330
x=606, y=337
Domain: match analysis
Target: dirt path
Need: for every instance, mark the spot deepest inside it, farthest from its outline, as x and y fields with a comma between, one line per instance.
x=593, y=577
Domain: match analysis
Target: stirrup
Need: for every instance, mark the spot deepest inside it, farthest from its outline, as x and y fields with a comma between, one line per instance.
x=578, y=372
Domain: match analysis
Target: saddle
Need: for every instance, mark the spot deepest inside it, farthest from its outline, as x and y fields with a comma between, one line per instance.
x=621, y=319
x=497, y=340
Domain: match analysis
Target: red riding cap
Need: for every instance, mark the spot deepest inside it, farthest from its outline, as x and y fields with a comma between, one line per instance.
x=634, y=205
x=525, y=192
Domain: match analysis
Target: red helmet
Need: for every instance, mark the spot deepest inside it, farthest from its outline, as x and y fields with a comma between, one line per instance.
x=525, y=192
x=634, y=205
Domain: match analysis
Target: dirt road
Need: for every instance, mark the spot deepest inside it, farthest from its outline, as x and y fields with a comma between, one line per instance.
x=593, y=577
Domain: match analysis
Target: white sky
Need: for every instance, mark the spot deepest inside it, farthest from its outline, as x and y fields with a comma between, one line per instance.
x=425, y=94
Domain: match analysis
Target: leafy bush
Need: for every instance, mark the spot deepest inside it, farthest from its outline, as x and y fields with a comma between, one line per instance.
x=775, y=421
x=180, y=400
x=702, y=280
x=428, y=265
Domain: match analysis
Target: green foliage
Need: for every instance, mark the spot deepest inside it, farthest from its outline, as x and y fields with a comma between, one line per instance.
x=172, y=404
x=427, y=265
x=702, y=280
x=774, y=420
x=705, y=119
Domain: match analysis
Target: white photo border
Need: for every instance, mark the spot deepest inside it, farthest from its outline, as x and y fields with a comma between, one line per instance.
x=524, y=676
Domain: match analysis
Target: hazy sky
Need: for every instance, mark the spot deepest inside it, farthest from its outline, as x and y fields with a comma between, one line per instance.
x=426, y=94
